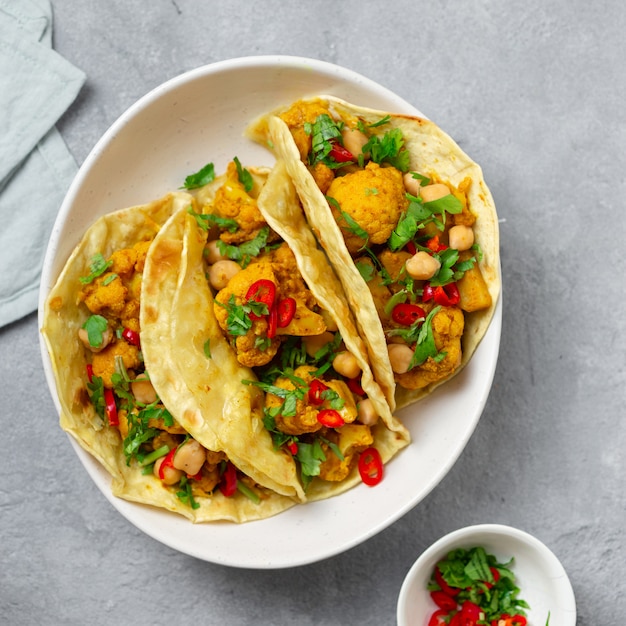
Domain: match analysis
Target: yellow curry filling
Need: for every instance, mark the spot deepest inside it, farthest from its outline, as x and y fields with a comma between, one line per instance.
x=315, y=407
x=409, y=233
x=122, y=394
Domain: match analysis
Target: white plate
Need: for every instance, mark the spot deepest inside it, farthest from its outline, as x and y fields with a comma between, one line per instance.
x=538, y=573
x=174, y=130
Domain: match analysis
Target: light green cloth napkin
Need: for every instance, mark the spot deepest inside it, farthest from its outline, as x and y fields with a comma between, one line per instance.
x=36, y=87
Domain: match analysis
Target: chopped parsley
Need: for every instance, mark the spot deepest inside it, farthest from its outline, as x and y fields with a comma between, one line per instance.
x=95, y=325
x=245, y=252
x=388, y=148
x=202, y=177
x=245, y=178
x=421, y=334
x=418, y=214
x=324, y=131
x=206, y=220
x=98, y=266
x=481, y=580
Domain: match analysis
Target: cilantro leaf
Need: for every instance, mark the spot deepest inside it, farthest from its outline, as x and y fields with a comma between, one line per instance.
x=310, y=456
x=97, y=267
x=324, y=131
x=238, y=322
x=247, y=250
x=206, y=220
x=95, y=325
x=449, y=203
x=245, y=178
x=389, y=148
x=200, y=178
x=425, y=346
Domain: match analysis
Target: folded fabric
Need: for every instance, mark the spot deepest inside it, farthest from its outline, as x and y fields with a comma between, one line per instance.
x=36, y=87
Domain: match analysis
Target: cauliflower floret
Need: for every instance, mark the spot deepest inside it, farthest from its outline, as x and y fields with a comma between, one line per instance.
x=104, y=362
x=323, y=176
x=448, y=326
x=305, y=418
x=394, y=262
x=350, y=439
x=123, y=261
x=142, y=250
x=233, y=201
x=251, y=348
x=297, y=116
x=374, y=198
x=106, y=295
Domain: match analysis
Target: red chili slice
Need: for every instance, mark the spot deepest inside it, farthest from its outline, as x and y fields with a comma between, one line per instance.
x=371, y=466
x=131, y=336
x=434, y=245
x=496, y=577
x=470, y=613
x=286, y=310
x=292, y=446
x=456, y=620
x=111, y=408
x=262, y=291
x=411, y=247
x=407, y=314
x=354, y=385
x=451, y=591
x=443, y=600
x=316, y=389
x=89, y=367
x=272, y=323
x=438, y=618
x=340, y=154
x=330, y=418
x=228, y=484
x=446, y=295
x=168, y=461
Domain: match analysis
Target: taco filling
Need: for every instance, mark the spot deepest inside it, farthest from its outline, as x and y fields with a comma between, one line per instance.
x=158, y=453
x=393, y=215
x=124, y=397
x=321, y=403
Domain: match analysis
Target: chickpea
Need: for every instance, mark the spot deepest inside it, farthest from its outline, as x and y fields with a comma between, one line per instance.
x=143, y=390
x=400, y=357
x=412, y=185
x=345, y=363
x=353, y=140
x=313, y=343
x=422, y=266
x=434, y=192
x=367, y=412
x=190, y=457
x=171, y=475
x=461, y=237
x=212, y=253
x=221, y=272
x=107, y=335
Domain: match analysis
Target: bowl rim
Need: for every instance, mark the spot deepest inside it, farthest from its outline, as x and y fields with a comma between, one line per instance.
x=131, y=511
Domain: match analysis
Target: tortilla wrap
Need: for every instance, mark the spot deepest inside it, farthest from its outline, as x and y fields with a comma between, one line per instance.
x=432, y=153
x=63, y=317
x=278, y=203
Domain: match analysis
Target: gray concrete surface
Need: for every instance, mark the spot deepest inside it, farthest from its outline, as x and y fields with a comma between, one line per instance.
x=535, y=92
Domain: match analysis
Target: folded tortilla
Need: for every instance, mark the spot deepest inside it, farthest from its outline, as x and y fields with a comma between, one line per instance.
x=278, y=203
x=64, y=315
x=432, y=153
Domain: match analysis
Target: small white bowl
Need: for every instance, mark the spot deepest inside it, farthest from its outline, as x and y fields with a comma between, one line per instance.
x=538, y=573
